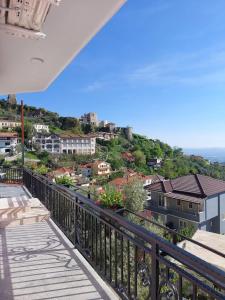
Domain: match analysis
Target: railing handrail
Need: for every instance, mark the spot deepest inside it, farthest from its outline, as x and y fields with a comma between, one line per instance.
x=178, y=234
x=187, y=259
x=171, y=231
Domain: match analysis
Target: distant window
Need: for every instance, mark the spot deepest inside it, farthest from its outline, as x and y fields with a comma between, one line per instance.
x=161, y=200
x=182, y=224
x=7, y=144
x=178, y=203
x=190, y=205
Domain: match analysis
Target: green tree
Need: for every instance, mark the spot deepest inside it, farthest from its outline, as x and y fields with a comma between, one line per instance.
x=140, y=158
x=135, y=196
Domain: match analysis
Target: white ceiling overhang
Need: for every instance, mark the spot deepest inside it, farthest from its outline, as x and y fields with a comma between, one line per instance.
x=30, y=65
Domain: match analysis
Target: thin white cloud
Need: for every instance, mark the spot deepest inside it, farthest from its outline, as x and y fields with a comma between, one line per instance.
x=95, y=86
x=196, y=68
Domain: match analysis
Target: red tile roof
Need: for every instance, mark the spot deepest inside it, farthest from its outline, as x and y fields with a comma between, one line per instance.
x=8, y=134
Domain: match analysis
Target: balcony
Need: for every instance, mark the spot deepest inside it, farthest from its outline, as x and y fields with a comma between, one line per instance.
x=175, y=212
x=64, y=257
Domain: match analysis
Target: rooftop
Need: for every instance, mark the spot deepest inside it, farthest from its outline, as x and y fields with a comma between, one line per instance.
x=8, y=134
x=210, y=239
x=197, y=186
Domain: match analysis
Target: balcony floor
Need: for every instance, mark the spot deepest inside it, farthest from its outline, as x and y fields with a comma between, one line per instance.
x=37, y=262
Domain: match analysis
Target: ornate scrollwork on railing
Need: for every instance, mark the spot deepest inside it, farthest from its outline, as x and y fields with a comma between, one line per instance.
x=167, y=289
x=144, y=275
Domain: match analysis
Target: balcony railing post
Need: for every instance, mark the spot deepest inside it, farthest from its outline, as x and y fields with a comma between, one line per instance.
x=154, y=272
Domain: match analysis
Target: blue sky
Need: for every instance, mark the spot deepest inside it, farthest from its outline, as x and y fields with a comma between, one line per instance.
x=158, y=66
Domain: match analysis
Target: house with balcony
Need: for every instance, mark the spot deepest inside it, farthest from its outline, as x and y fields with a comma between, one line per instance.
x=194, y=200
x=96, y=168
x=47, y=142
x=65, y=143
x=8, y=142
x=101, y=168
x=41, y=128
x=9, y=124
x=77, y=144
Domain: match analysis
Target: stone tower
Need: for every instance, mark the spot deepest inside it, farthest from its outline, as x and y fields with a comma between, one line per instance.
x=11, y=99
x=129, y=133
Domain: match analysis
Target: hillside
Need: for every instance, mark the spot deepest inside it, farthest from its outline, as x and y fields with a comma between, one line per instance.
x=174, y=162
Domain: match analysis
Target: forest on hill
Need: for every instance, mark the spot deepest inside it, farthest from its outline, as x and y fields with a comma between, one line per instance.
x=174, y=162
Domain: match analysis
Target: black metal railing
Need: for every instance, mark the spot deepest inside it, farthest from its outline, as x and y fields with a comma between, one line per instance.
x=137, y=263
x=11, y=175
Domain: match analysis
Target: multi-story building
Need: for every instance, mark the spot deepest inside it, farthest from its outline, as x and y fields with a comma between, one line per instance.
x=47, y=142
x=8, y=142
x=41, y=128
x=101, y=168
x=105, y=136
x=65, y=143
x=9, y=124
x=77, y=144
x=195, y=200
x=90, y=118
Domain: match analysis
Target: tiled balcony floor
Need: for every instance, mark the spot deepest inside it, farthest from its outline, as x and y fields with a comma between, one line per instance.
x=37, y=262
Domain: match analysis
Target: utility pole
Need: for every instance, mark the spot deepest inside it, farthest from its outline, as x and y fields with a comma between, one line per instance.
x=22, y=131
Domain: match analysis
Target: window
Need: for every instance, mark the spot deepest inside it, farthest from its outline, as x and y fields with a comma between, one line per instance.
x=183, y=224
x=190, y=205
x=178, y=203
x=161, y=200
x=7, y=144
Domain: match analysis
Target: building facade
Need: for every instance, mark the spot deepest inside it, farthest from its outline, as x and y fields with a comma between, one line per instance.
x=65, y=144
x=90, y=118
x=8, y=142
x=193, y=200
x=41, y=128
x=101, y=168
x=47, y=142
x=9, y=125
x=77, y=144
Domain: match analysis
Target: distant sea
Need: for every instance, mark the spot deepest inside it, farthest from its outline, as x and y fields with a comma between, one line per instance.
x=212, y=154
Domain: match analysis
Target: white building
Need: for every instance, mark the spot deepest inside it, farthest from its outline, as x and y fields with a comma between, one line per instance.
x=9, y=125
x=8, y=142
x=41, y=128
x=77, y=144
x=101, y=168
x=47, y=142
x=97, y=168
x=65, y=143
